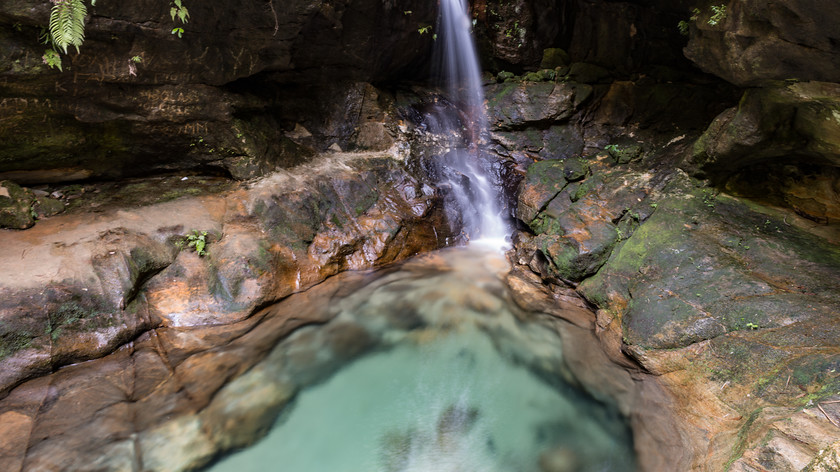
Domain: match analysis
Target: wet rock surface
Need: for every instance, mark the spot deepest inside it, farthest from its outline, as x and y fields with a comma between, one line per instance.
x=724, y=292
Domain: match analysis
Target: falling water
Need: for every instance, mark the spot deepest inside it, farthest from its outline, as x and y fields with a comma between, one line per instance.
x=465, y=166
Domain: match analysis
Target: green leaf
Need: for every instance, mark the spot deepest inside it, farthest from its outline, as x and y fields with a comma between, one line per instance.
x=172, y=12
x=67, y=24
x=52, y=59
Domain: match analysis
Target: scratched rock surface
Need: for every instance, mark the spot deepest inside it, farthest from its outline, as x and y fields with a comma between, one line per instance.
x=243, y=91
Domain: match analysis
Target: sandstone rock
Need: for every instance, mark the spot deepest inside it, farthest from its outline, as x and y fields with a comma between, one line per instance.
x=795, y=122
x=45, y=206
x=624, y=154
x=512, y=33
x=587, y=73
x=789, y=134
x=206, y=102
x=105, y=281
x=543, y=181
x=557, y=142
x=577, y=224
x=735, y=280
x=624, y=36
x=246, y=408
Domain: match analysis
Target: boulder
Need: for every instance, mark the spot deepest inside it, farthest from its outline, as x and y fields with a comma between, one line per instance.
x=517, y=105
x=554, y=58
x=16, y=206
x=577, y=219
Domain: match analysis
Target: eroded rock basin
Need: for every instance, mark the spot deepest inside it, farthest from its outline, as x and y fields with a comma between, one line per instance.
x=432, y=364
x=458, y=378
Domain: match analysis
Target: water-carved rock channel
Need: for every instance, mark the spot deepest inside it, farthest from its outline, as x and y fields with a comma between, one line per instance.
x=448, y=361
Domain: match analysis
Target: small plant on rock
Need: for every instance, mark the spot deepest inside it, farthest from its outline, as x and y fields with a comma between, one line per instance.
x=718, y=14
x=196, y=240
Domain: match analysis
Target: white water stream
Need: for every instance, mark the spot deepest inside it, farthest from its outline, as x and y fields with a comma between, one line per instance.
x=470, y=179
x=457, y=382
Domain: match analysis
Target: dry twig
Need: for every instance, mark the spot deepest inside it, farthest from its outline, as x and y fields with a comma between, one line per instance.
x=828, y=417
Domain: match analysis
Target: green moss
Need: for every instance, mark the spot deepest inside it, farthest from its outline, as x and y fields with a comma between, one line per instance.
x=14, y=341
x=544, y=224
x=178, y=193
x=77, y=314
x=262, y=261
x=365, y=202
x=506, y=89
x=741, y=440
x=336, y=221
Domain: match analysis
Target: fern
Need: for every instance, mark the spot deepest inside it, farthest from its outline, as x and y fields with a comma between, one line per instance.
x=67, y=23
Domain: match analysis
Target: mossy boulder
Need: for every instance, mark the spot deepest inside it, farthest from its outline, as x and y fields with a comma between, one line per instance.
x=543, y=181
x=15, y=206
x=704, y=265
x=45, y=206
x=623, y=154
x=553, y=58
x=577, y=218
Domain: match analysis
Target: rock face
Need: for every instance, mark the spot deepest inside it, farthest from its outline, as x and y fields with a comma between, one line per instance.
x=781, y=145
x=726, y=281
x=231, y=95
x=104, y=282
x=730, y=302
x=760, y=41
x=622, y=36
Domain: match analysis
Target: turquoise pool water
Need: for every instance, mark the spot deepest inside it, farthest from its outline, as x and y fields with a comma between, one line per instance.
x=457, y=379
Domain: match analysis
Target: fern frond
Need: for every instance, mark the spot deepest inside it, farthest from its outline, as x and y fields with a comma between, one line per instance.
x=67, y=23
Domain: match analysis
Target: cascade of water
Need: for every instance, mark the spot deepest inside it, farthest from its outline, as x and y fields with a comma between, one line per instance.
x=474, y=189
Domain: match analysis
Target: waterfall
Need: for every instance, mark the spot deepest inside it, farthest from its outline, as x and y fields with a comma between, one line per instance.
x=466, y=168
